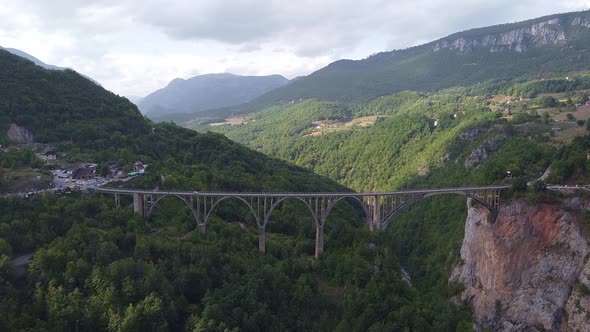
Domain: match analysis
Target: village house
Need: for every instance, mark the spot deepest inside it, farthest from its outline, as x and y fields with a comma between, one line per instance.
x=49, y=155
x=139, y=167
x=83, y=173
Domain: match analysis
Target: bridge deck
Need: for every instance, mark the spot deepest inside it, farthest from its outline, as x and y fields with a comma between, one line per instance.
x=297, y=194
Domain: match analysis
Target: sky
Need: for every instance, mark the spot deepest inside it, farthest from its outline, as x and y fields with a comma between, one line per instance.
x=136, y=47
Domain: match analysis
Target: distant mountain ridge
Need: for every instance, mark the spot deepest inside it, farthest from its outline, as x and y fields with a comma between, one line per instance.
x=546, y=46
x=205, y=92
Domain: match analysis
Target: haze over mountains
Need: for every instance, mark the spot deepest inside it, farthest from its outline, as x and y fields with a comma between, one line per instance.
x=205, y=92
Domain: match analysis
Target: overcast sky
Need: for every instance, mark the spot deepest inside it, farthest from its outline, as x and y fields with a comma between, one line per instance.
x=135, y=47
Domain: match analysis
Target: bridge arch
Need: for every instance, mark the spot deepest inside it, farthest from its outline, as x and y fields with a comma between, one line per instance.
x=418, y=198
x=274, y=205
x=153, y=206
x=358, y=199
x=225, y=198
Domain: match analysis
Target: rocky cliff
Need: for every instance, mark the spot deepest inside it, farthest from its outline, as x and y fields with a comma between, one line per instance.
x=552, y=31
x=19, y=134
x=529, y=270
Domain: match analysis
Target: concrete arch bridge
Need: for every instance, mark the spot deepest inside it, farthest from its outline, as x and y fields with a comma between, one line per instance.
x=380, y=207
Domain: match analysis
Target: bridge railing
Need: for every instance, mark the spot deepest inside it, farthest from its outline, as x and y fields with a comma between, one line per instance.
x=297, y=194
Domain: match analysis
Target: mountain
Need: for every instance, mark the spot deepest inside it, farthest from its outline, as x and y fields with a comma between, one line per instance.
x=41, y=63
x=206, y=92
x=61, y=105
x=546, y=46
x=32, y=58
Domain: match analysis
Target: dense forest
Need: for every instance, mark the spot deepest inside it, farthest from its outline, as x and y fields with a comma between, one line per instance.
x=410, y=139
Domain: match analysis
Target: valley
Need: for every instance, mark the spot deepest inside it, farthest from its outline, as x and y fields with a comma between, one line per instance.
x=443, y=187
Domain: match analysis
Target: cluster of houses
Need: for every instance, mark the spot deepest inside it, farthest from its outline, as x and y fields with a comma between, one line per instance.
x=88, y=172
x=115, y=171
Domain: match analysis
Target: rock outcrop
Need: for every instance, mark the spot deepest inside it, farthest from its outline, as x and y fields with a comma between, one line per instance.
x=527, y=271
x=19, y=135
x=482, y=152
x=553, y=31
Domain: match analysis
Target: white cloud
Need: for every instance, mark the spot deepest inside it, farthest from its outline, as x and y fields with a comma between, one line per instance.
x=135, y=47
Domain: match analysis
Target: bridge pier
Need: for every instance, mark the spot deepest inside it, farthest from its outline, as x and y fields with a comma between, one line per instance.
x=138, y=203
x=375, y=223
x=319, y=240
x=262, y=239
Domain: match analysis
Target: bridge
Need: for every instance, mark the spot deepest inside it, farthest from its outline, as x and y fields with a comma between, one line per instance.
x=379, y=207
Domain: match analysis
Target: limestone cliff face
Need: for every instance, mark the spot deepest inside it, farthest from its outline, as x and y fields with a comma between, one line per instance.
x=523, y=272
x=19, y=134
x=553, y=31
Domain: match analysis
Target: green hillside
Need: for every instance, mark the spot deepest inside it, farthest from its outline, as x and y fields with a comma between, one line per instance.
x=408, y=138
x=62, y=105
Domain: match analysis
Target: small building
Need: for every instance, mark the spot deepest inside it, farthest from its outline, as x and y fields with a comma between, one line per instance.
x=588, y=103
x=556, y=129
x=83, y=173
x=588, y=155
x=139, y=167
x=49, y=155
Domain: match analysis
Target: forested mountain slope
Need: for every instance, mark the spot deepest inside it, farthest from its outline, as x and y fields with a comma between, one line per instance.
x=61, y=105
x=541, y=47
x=392, y=142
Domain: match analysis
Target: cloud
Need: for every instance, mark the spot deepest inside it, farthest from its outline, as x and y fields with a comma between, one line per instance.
x=134, y=47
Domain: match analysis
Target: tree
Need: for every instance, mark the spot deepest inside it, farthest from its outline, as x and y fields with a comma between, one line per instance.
x=570, y=117
x=104, y=170
x=580, y=123
x=519, y=185
x=548, y=101
x=539, y=186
